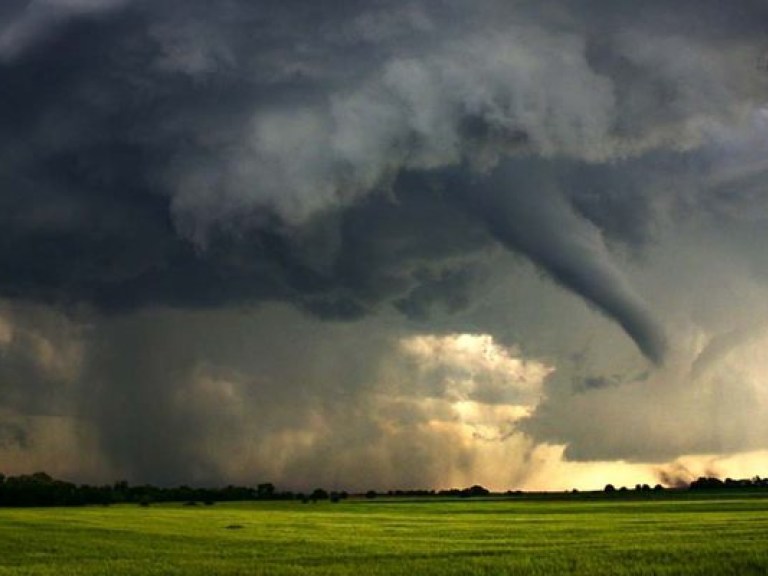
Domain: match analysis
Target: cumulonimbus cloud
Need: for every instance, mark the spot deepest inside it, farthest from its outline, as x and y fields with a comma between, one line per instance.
x=234, y=137
x=340, y=157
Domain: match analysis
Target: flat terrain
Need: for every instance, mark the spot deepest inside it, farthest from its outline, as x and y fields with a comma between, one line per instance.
x=701, y=535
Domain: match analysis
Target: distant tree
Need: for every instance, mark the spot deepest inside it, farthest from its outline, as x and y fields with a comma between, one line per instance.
x=706, y=484
x=41, y=477
x=371, y=494
x=478, y=490
x=319, y=494
x=609, y=488
x=265, y=491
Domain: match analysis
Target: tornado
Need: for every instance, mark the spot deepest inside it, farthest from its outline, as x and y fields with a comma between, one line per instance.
x=538, y=222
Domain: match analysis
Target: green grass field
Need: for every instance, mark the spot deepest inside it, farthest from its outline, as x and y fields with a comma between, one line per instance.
x=706, y=535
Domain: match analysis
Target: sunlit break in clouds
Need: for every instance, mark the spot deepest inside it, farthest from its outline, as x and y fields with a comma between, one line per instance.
x=407, y=244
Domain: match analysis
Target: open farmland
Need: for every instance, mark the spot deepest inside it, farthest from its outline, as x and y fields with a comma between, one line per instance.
x=667, y=535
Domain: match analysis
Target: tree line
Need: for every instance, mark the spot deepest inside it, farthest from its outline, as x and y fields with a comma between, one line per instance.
x=40, y=489
x=709, y=483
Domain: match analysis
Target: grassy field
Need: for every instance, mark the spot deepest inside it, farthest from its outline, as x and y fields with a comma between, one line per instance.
x=707, y=535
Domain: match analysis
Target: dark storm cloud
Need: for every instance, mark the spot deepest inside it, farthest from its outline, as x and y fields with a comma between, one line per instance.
x=343, y=158
x=88, y=215
x=154, y=151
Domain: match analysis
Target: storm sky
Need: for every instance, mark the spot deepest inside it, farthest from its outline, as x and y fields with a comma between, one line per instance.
x=392, y=244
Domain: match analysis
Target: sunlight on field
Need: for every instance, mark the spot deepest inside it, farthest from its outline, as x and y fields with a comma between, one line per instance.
x=588, y=536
